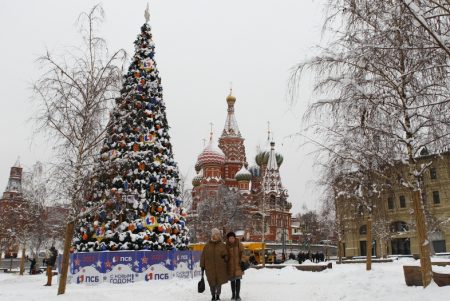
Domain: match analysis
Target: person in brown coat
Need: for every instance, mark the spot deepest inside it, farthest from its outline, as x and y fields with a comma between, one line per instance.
x=235, y=251
x=214, y=262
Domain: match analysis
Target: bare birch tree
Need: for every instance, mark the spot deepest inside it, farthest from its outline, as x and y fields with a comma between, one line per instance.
x=222, y=211
x=73, y=95
x=45, y=215
x=378, y=77
x=430, y=14
x=185, y=191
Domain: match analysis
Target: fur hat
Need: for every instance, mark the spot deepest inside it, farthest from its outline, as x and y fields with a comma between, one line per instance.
x=215, y=231
x=229, y=234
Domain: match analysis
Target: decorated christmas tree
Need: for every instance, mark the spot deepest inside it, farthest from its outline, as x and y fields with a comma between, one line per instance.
x=136, y=179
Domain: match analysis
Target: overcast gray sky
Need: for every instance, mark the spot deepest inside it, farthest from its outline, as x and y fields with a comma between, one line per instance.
x=201, y=46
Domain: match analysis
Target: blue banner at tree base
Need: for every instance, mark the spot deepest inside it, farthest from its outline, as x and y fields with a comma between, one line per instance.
x=122, y=267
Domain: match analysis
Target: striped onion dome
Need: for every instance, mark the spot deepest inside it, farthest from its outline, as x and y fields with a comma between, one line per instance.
x=243, y=174
x=211, y=155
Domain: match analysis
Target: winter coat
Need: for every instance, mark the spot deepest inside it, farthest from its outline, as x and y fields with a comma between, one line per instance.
x=214, y=261
x=235, y=256
x=32, y=263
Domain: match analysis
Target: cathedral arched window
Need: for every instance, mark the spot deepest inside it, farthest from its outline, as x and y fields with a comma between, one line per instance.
x=272, y=201
x=363, y=230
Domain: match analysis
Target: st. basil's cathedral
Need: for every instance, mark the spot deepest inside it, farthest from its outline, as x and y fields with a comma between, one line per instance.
x=259, y=187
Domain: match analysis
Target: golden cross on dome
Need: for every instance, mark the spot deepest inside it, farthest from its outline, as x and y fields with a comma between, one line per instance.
x=211, y=132
x=204, y=142
x=268, y=130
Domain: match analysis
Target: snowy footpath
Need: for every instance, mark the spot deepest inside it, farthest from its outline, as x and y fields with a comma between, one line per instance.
x=343, y=282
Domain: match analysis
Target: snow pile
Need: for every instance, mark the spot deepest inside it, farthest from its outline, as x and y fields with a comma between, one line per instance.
x=290, y=262
x=441, y=269
x=309, y=262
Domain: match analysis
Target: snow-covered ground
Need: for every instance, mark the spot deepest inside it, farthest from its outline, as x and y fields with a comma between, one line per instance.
x=343, y=282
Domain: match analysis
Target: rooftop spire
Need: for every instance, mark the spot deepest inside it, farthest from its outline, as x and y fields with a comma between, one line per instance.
x=272, y=180
x=231, y=128
x=272, y=163
x=17, y=164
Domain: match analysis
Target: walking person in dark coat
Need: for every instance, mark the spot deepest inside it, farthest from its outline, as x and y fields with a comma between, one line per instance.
x=32, y=265
x=235, y=255
x=50, y=260
x=291, y=256
x=214, y=261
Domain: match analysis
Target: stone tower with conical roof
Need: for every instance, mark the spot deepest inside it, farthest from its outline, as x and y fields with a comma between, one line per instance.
x=14, y=188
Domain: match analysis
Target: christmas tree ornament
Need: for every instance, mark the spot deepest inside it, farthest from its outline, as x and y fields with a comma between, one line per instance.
x=147, y=65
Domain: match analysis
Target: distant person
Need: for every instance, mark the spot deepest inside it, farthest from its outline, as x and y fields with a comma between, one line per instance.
x=214, y=261
x=291, y=256
x=32, y=266
x=235, y=257
x=283, y=257
x=316, y=257
x=321, y=257
x=50, y=260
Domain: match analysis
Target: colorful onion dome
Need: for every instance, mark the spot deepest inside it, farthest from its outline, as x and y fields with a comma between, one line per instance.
x=231, y=99
x=197, y=180
x=243, y=175
x=211, y=155
x=263, y=157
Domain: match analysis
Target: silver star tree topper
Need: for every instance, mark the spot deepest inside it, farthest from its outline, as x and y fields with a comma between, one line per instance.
x=147, y=14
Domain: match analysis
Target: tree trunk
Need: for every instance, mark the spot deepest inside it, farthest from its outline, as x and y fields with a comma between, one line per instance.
x=263, y=257
x=381, y=248
x=340, y=250
x=369, y=245
x=424, y=244
x=65, y=260
x=22, y=262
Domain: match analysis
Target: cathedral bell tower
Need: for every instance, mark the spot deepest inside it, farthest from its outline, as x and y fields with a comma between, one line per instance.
x=232, y=144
